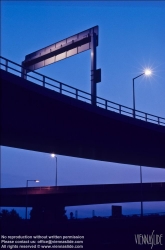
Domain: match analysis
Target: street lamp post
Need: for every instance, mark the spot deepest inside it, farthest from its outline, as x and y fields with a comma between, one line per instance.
x=53, y=155
x=27, y=194
x=141, y=191
x=147, y=72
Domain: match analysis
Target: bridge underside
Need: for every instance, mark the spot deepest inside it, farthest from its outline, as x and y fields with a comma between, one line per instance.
x=82, y=195
x=39, y=119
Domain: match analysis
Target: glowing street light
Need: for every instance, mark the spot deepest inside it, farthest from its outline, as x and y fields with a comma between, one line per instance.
x=53, y=155
x=27, y=193
x=146, y=72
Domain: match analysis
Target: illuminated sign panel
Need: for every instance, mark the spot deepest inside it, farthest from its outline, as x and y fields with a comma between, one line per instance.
x=61, y=50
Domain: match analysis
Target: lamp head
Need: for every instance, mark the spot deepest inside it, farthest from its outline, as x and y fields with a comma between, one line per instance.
x=37, y=181
x=53, y=155
x=147, y=72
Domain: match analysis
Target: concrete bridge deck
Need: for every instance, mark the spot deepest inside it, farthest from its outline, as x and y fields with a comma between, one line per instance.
x=39, y=119
x=82, y=194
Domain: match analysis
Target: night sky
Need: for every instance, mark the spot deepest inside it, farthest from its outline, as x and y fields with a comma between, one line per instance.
x=131, y=38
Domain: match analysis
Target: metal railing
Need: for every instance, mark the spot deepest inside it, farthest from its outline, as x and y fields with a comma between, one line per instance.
x=78, y=94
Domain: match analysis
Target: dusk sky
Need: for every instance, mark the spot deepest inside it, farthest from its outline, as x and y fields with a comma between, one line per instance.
x=131, y=38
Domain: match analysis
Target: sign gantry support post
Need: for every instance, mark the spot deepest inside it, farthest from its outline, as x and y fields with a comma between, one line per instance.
x=23, y=72
x=93, y=68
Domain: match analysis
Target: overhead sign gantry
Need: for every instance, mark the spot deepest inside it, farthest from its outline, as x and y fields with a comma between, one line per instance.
x=63, y=49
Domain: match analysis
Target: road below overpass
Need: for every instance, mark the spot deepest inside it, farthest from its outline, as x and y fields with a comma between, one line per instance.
x=82, y=194
x=39, y=119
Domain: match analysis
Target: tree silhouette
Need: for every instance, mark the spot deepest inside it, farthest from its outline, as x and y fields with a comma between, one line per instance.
x=9, y=216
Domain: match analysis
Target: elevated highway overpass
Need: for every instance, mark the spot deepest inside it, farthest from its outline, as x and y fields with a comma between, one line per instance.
x=82, y=194
x=37, y=118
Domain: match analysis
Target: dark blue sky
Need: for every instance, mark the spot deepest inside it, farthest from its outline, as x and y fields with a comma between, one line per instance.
x=131, y=38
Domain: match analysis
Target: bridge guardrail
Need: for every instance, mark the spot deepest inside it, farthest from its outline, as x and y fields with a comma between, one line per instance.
x=78, y=94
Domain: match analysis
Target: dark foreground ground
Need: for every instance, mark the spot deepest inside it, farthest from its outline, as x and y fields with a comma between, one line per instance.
x=98, y=233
